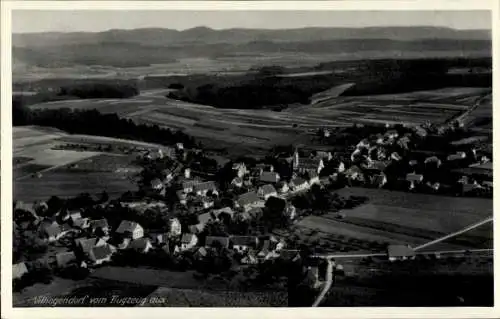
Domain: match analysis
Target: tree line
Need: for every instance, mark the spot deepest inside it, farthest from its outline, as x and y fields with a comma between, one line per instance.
x=92, y=122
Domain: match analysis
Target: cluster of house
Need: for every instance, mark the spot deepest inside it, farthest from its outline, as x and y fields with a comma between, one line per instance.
x=371, y=157
x=92, y=242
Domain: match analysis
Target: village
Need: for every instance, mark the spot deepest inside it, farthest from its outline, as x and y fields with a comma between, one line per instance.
x=191, y=213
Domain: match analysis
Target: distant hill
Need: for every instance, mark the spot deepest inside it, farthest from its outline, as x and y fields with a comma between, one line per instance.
x=141, y=47
x=203, y=35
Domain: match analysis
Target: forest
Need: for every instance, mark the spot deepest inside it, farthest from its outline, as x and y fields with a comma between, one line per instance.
x=92, y=122
x=268, y=87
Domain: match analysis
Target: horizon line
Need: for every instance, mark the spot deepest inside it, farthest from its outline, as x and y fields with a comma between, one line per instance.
x=257, y=29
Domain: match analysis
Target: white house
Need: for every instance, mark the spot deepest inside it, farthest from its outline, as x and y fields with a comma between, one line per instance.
x=201, y=189
x=283, y=187
x=130, y=229
x=174, y=227
x=207, y=202
x=244, y=243
x=267, y=191
x=414, y=179
x=298, y=184
x=240, y=169
x=188, y=241
x=313, y=178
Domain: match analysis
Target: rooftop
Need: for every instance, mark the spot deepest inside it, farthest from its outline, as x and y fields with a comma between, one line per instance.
x=127, y=226
x=400, y=251
x=248, y=198
x=101, y=252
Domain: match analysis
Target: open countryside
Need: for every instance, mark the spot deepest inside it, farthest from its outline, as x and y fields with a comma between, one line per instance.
x=308, y=167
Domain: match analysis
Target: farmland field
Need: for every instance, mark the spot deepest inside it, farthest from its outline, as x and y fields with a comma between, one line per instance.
x=94, y=172
x=261, y=129
x=405, y=218
x=68, y=184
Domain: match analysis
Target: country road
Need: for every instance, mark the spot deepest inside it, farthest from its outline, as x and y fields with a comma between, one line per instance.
x=464, y=230
x=328, y=284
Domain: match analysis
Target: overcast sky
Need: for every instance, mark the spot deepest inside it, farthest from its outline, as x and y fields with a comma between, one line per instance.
x=67, y=21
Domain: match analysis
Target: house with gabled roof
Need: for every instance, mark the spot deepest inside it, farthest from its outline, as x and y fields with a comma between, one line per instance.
x=217, y=242
x=298, y=184
x=101, y=254
x=201, y=189
x=267, y=191
x=200, y=253
x=82, y=223
x=174, y=227
x=225, y=212
x=244, y=243
x=130, y=229
x=141, y=245
x=237, y=182
x=86, y=244
x=400, y=252
x=247, y=201
x=188, y=241
x=74, y=215
x=269, y=177
x=282, y=187
x=101, y=224
x=188, y=185
x=313, y=178
x=240, y=169
x=53, y=231
x=310, y=165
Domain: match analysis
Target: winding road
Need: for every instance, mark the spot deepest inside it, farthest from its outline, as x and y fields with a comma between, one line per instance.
x=328, y=284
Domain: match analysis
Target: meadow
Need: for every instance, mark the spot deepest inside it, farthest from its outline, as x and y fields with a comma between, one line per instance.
x=36, y=150
x=405, y=218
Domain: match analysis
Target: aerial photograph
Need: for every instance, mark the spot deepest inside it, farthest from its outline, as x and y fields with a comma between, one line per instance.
x=252, y=158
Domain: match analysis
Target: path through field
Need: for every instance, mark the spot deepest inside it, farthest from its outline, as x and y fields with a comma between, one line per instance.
x=475, y=225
